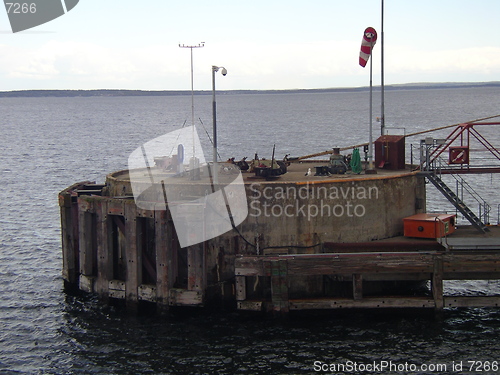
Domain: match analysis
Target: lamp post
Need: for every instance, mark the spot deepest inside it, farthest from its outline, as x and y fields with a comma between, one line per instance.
x=215, y=69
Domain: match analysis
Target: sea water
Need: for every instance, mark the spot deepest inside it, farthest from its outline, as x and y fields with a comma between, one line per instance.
x=48, y=144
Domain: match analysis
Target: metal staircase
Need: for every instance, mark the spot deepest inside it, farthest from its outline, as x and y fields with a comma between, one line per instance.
x=456, y=201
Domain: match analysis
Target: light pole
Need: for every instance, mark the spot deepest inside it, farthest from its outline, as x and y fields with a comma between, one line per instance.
x=215, y=69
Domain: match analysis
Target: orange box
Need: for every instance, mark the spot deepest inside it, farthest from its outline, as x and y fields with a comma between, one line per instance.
x=429, y=225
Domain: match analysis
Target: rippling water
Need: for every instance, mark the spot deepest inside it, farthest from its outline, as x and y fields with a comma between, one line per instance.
x=50, y=143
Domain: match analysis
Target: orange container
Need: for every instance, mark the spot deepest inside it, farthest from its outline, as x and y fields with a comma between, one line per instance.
x=429, y=225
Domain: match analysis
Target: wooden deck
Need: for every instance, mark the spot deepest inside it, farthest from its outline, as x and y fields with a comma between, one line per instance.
x=362, y=268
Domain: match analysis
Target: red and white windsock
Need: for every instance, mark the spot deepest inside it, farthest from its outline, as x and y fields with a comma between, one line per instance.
x=369, y=39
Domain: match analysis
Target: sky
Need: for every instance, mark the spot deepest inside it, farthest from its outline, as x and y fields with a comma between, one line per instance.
x=271, y=44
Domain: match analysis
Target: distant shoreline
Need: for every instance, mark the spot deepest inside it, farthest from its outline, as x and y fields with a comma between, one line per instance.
x=124, y=92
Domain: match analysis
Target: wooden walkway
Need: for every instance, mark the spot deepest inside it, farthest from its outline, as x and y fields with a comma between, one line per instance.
x=361, y=268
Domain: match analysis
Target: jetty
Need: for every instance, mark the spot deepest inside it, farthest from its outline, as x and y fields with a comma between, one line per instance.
x=310, y=239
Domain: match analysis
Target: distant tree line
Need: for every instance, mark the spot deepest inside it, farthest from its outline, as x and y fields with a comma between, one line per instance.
x=112, y=93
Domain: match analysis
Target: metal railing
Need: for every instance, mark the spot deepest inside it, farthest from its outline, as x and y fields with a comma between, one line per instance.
x=436, y=167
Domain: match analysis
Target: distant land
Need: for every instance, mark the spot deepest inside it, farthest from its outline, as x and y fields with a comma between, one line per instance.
x=107, y=92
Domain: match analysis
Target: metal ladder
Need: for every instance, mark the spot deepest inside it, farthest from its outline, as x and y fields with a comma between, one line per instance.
x=456, y=201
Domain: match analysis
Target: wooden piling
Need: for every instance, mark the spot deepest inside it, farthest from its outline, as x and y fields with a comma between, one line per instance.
x=241, y=288
x=357, y=286
x=196, y=267
x=165, y=262
x=104, y=261
x=133, y=257
x=70, y=243
x=279, y=286
x=87, y=243
x=437, y=282
x=70, y=232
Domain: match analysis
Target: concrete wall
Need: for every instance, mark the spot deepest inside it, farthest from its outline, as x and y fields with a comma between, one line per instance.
x=353, y=209
x=348, y=210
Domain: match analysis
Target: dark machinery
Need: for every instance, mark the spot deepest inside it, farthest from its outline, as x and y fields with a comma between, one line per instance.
x=337, y=165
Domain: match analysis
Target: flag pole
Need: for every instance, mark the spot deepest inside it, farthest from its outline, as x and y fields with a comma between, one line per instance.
x=367, y=43
x=382, y=100
x=370, y=142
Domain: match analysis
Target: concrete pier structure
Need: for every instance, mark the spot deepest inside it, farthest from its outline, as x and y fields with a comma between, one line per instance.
x=286, y=255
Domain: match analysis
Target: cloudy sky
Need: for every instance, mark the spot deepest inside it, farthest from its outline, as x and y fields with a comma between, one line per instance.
x=271, y=44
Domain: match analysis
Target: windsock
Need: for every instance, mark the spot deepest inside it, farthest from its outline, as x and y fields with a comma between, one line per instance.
x=369, y=39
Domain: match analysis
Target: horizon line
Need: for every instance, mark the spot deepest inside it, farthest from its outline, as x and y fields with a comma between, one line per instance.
x=413, y=85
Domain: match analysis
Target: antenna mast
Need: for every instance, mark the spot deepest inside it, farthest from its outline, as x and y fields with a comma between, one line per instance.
x=200, y=45
x=194, y=163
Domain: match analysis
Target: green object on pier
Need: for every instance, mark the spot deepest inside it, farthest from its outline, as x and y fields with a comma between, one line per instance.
x=356, y=162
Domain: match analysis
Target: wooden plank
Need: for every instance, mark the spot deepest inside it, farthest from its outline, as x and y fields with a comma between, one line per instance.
x=396, y=276
x=64, y=199
x=196, y=267
x=87, y=283
x=132, y=256
x=145, y=213
x=70, y=233
x=279, y=286
x=250, y=271
x=250, y=305
x=437, y=282
x=383, y=246
x=117, y=285
x=75, y=238
x=147, y=292
x=164, y=259
x=68, y=248
x=367, y=263
x=357, y=286
x=347, y=263
x=86, y=237
x=378, y=302
x=371, y=302
x=86, y=204
x=183, y=297
x=117, y=289
x=241, y=288
x=471, y=262
x=474, y=301
x=116, y=207
x=249, y=266
x=104, y=250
